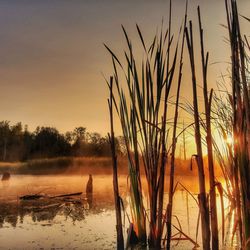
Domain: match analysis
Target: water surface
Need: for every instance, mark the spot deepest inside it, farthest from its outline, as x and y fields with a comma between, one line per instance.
x=79, y=222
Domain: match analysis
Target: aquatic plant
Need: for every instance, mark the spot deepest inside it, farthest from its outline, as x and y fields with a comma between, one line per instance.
x=142, y=106
x=202, y=197
x=174, y=142
x=141, y=99
x=240, y=102
x=209, y=140
x=120, y=239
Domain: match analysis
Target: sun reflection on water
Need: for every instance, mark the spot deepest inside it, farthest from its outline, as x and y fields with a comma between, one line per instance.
x=78, y=224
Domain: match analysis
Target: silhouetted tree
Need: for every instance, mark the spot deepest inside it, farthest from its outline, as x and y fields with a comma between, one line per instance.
x=48, y=142
x=27, y=144
x=17, y=143
x=4, y=138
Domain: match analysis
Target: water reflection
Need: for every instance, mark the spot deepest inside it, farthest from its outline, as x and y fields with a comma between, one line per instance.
x=47, y=209
x=14, y=211
x=79, y=222
x=82, y=222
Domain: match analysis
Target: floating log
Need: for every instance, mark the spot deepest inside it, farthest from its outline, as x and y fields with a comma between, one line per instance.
x=66, y=195
x=31, y=197
x=38, y=196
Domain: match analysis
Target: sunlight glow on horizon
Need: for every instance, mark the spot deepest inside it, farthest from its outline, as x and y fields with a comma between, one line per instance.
x=52, y=55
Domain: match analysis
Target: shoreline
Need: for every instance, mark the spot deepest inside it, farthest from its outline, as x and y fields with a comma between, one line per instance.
x=85, y=165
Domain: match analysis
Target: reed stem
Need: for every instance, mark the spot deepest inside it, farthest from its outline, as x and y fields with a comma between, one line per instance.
x=119, y=239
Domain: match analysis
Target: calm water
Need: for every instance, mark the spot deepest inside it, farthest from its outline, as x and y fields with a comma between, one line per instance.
x=77, y=223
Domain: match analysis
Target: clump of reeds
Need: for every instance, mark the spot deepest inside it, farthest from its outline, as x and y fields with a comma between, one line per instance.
x=203, y=204
x=208, y=208
x=240, y=103
x=142, y=105
x=141, y=102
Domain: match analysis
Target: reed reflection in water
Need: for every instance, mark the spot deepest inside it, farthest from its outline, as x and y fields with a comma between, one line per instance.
x=77, y=222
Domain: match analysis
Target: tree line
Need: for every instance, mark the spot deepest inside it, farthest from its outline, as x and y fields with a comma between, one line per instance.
x=17, y=143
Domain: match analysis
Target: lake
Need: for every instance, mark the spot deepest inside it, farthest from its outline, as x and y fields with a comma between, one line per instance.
x=80, y=223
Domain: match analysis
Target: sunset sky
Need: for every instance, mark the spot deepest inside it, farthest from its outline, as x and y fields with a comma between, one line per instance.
x=52, y=54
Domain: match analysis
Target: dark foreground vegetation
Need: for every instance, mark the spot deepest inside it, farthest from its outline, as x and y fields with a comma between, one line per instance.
x=140, y=95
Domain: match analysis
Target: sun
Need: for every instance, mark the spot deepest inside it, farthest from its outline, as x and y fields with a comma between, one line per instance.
x=229, y=140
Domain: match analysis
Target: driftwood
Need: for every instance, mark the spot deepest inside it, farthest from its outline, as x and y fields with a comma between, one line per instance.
x=39, y=196
x=66, y=195
x=31, y=197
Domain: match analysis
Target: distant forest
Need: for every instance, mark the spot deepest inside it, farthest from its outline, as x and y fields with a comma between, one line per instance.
x=17, y=143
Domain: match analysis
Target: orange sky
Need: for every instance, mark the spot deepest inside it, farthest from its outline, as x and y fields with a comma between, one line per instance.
x=52, y=54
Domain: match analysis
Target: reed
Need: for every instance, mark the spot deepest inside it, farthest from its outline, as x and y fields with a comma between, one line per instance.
x=240, y=120
x=222, y=116
x=174, y=141
x=184, y=143
x=222, y=121
x=120, y=239
x=203, y=204
x=142, y=104
x=209, y=139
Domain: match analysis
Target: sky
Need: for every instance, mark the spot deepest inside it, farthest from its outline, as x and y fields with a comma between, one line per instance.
x=52, y=57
